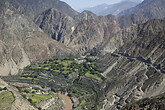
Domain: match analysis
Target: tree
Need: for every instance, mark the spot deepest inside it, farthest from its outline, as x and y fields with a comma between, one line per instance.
x=1, y=89
x=39, y=108
x=24, y=96
x=30, y=100
x=5, y=88
x=26, y=91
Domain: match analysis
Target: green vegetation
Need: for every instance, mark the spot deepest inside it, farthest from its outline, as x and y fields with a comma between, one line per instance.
x=6, y=99
x=26, y=90
x=3, y=88
x=82, y=102
x=84, y=67
x=92, y=76
x=36, y=94
x=54, y=94
x=77, y=93
x=37, y=97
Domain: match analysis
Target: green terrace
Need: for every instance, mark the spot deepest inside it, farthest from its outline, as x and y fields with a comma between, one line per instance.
x=63, y=66
x=34, y=94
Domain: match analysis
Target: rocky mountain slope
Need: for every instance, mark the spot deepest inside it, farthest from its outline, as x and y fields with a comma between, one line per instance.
x=148, y=9
x=136, y=70
x=56, y=24
x=23, y=42
x=82, y=33
x=74, y=32
x=153, y=103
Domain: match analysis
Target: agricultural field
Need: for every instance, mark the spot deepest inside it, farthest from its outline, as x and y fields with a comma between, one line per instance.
x=83, y=67
x=35, y=95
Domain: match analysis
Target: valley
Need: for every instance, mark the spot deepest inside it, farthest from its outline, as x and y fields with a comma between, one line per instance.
x=60, y=76
x=54, y=58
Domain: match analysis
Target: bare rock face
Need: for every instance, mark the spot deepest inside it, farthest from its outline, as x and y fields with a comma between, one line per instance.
x=91, y=33
x=124, y=36
x=118, y=39
x=136, y=69
x=86, y=31
x=56, y=24
x=87, y=35
x=22, y=42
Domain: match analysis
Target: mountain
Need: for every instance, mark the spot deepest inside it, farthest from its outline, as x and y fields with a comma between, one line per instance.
x=82, y=33
x=85, y=15
x=135, y=69
x=23, y=42
x=148, y=9
x=35, y=7
x=56, y=24
x=115, y=9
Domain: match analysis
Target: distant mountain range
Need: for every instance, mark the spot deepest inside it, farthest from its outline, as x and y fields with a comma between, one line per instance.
x=115, y=9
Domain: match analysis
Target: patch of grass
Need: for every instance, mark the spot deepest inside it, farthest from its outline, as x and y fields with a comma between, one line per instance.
x=46, y=68
x=26, y=90
x=54, y=94
x=92, y=76
x=29, y=78
x=36, y=97
x=6, y=99
x=82, y=102
x=35, y=67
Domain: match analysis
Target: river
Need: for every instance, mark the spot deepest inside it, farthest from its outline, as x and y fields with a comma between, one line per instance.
x=67, y=101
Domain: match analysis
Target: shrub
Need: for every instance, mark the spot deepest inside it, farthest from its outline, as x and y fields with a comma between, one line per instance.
x=5, y=88
x=30, y=100
x=39, y=108
x=26, y=91
x=24, y=96
x=1, y=89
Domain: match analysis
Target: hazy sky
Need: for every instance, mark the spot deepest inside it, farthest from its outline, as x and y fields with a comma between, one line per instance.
x=79, y=4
